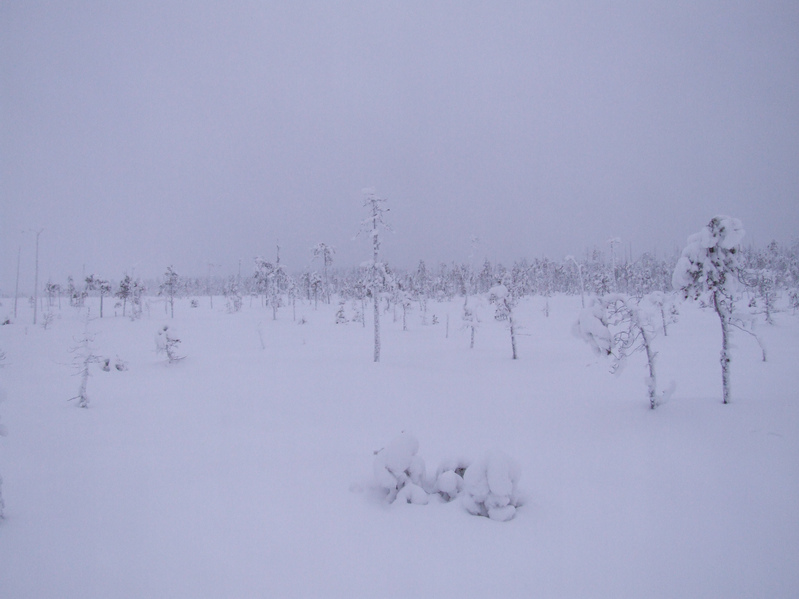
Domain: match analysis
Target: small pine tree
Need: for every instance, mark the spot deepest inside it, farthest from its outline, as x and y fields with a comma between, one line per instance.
x=709, y=268
x=84, y=358
x=341, y=318
x=170, y=288
x=470, y=320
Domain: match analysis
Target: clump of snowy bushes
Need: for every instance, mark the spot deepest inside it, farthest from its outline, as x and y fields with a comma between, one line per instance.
x=487, y=487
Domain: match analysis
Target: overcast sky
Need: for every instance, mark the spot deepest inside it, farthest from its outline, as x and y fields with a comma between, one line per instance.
x=143, y=134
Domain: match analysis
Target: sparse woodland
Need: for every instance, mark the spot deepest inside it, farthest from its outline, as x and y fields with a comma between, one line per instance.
x=268, y=407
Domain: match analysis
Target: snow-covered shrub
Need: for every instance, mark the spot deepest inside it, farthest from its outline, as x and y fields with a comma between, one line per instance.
x=486, y=488
x=84, y=358
x=400, y=471
x=341, y=317
x=166, y=343
x=490, y=487
x=592, y=328
x=449, y=479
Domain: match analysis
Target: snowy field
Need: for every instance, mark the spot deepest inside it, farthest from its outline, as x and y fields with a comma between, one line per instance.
x=246, y=469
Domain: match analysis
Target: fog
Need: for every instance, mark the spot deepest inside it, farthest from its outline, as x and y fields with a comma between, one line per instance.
x=146, y=134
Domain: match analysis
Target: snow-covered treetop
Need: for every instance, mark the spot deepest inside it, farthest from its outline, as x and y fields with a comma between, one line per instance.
x=710, y=261
x=498, y=292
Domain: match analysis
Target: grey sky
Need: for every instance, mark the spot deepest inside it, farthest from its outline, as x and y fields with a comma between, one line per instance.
x=143, y=134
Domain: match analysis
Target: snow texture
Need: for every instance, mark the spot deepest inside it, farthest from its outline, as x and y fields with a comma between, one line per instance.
x=248, y=470
x=490, y=487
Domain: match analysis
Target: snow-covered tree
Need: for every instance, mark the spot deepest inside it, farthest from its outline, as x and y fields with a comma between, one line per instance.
x=616, y=326
x=709, y=269
x=95, y=283
x=664, y=304
x=579, y=268
x=232, y=295
x=84, y=358
x=262, y=277
x=124, y=291
x=170, y=288
x=315, y=284
x=104, y=287
x=372, y=227
x=470, y=320
x=341, y=317
x=53, y=290
x=501, y=297
x=324, y=252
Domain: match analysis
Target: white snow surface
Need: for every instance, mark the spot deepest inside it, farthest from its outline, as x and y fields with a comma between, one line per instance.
x=244, y=471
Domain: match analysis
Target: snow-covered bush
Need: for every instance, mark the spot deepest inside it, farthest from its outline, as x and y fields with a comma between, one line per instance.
x=166, y=343
x=400, y=471
x=84, y=358
x=449, y=479
x=490, y=487
x=487, y=487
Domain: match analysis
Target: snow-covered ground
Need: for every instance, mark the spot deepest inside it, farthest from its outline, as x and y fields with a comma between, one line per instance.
x=246, y=469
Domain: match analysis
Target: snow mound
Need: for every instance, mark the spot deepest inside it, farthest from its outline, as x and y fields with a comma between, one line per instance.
x=490, y=487
x=397, y=465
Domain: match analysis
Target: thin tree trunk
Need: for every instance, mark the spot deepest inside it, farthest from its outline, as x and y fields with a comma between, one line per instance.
x=650, y=360
x=725, y=350
x=377, y=326
x=512, y=334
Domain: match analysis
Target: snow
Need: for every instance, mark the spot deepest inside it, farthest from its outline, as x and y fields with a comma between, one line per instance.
x=490, y=487
x=248, y=471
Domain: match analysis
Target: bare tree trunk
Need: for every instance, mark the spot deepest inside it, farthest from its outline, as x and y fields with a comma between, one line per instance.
x=725, y=350
x=377, y=326
x=650, y=360
x=512, y=333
